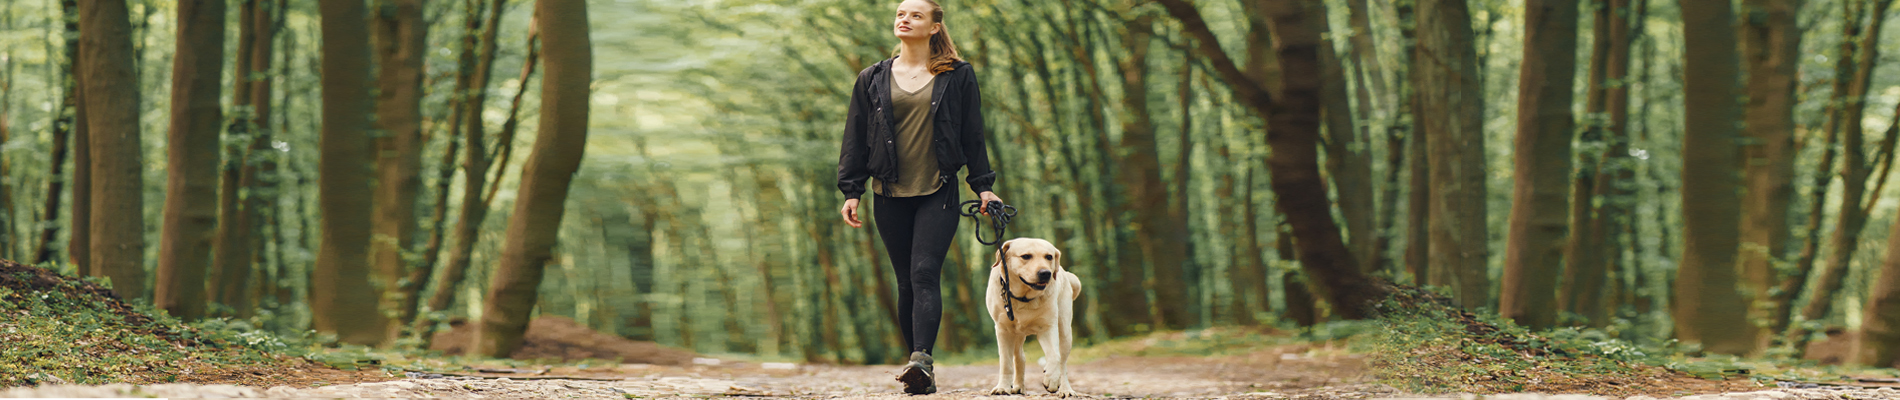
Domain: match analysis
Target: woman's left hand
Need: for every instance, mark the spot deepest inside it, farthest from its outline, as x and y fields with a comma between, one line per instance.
x=987, y=197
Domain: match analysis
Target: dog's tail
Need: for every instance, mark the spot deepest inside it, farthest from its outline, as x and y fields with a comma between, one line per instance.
x=1075, y=285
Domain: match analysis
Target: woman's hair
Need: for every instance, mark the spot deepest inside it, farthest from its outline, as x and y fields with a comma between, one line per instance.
x=943, y=52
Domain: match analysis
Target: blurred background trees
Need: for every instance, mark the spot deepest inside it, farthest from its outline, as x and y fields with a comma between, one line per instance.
x=358, y=167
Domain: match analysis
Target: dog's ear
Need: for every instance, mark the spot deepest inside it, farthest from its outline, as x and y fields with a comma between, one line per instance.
x=1058, y=259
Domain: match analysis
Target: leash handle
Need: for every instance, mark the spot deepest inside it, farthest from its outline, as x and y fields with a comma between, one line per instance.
x=999, y=214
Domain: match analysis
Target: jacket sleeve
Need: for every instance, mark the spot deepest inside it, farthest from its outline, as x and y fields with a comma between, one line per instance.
x=853, y=158
x=976, y=154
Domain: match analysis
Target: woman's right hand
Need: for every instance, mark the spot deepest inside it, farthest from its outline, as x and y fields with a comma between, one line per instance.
x=850, y=213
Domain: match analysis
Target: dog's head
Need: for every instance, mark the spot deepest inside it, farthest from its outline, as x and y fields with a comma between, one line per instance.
x=1035, y=261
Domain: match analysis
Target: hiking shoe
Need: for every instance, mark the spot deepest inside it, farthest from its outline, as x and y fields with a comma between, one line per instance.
x=919, y=376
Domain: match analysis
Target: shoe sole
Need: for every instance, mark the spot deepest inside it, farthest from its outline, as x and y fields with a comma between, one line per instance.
x=917, y=381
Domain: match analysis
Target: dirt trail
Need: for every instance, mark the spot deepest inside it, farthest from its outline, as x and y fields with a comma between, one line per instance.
x=1279, y=372
x=1289, y=372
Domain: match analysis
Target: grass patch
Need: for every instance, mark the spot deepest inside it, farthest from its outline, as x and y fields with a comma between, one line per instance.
x=62, y=329
x=1429, y=345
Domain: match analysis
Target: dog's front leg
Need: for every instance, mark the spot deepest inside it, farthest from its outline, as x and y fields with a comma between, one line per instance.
x=1007, y=357
x=1055, y=365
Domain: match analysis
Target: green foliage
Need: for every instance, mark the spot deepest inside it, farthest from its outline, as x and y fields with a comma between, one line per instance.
x=1430, y=346
x=65, y=328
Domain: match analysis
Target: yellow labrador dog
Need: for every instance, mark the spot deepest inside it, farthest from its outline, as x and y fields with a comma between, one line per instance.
x=1030, y=294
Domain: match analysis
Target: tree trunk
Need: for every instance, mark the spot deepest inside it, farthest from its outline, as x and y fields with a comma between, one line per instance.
x=1446, y=75
x=1139, y=162
x=65, y=127
x=545, y=175
x=1615, y=172
x=1539, y=206
x=1347, y=161
x=1854, y=171
x=1294, y=164
x=1789, y=289
x=1708, y=304
x=474, y=164
x=431, y=254
x=117, y=221
x=401, y=36
x=1879, y=344
x=230, y=268
x=191, y=188
x=1418, y=200
x=259, y=175
x=1771, y=42
x=342, y=300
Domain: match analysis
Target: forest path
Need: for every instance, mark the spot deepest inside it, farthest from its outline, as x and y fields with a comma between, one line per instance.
x=1283, y=372
x=1299, y=371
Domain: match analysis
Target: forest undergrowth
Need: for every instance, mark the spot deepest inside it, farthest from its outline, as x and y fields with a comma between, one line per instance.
x=61, y=329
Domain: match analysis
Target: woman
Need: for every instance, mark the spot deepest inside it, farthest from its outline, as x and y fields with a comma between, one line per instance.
x=914, y=121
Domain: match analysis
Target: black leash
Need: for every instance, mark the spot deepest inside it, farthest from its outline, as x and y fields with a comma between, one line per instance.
x=999, y=214
x=999, y=219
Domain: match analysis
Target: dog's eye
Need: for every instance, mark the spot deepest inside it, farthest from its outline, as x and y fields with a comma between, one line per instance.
x=1026, y=256
x=1048, y=256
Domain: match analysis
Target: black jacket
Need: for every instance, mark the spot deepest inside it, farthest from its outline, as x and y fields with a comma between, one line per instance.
x=870, y=141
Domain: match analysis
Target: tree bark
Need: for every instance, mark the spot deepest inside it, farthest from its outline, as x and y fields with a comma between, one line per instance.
x=1708, y=304
x=1293, y=123
x=191, y=188
x=401, y=46
x=557, y=154
x=1446, y=76
x=1854, y=170
x=475, y=163
x=1347, y=161
x=1782, y=315
x=1138, y=161
x=65, y=128
x=1615, y=172
x=1879, y=344
x=1418, y=200
x=117, y=222
x=1771, y=42
x=259, y=174
x=342, y=300
x=1539, y=204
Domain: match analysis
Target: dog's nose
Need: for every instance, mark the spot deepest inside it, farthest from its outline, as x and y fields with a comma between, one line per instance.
x=1043, y=275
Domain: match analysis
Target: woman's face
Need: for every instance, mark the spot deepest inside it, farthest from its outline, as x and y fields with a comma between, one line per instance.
x=913, y=21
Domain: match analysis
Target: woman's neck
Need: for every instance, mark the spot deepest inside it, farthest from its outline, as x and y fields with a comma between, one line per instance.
x=914, y=54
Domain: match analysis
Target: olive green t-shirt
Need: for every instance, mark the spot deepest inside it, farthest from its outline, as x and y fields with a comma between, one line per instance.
x=916, y=160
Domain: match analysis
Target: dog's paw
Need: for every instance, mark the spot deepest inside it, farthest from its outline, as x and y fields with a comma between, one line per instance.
x=1067, y=393
x=1002, y=390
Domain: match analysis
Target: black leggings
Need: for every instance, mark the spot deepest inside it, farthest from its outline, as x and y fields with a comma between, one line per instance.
x=917, y=232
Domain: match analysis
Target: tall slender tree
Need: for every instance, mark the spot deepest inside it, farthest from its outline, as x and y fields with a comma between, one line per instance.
x=401, y=46
x=64, y=127
x=1294, y=165
x=545, y=176
x=1854, y=169
x=117, y=222
x=1771, y=50
x=1823, y=177
x=341, y=298
x=1445, y=72
x=475, y=161
x=1539, y=206
x=232, y=267
x=1138, y=159
x=1708, y=303
x=1347, y=160
x=191, y=189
